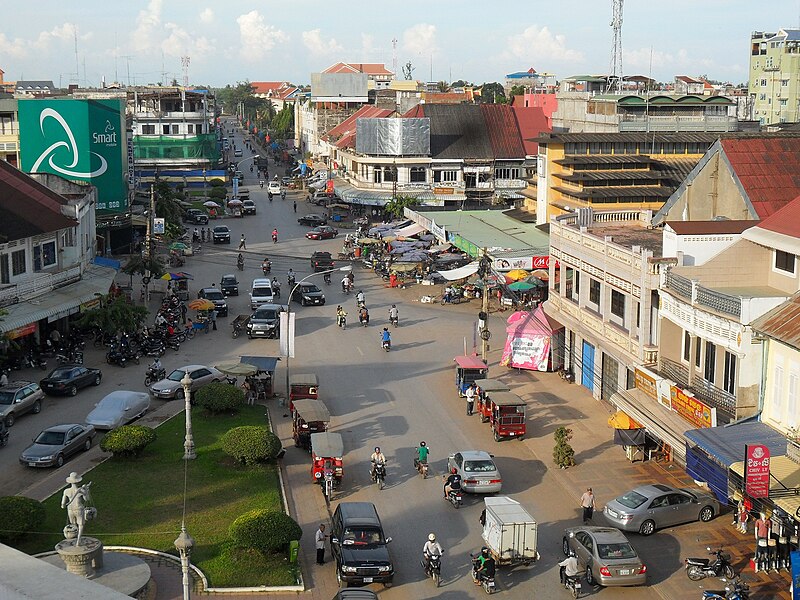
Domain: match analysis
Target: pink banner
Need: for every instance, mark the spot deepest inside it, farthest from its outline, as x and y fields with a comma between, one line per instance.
x=526, y=351
x=756, y=471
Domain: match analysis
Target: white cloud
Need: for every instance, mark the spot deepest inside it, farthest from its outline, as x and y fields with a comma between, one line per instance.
x=207, y=16
x=318, y=46
x=179, y=43
x=536, y=44
x=62, y=33
x=16, y=48
x=420, y=39
x=257, y=37
x=148, y=22
x=639, y=62
x=367, y=44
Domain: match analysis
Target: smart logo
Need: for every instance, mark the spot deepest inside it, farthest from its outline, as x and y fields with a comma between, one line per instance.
x=72, y=148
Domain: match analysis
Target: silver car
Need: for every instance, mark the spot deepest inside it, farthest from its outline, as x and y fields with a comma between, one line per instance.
x=479, y=474
x=118, y=408
x=18, y=398
x=606, y=555
x=650, y=507
x=171, y=387
x=55, y=444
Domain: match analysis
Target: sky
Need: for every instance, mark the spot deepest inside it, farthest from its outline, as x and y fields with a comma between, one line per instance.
x=138, y=41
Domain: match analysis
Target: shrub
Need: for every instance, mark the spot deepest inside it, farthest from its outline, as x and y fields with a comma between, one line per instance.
x=251, y=444
x=264, y=530
x=217, y=182
x=219, y=398
x=218, y=192
x=19, y=516
x=563, y=453
x=128, y=440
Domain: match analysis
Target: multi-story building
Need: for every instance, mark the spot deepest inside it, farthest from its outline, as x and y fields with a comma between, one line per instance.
x=9, y=130
x=775, y=76
x=280, y=93
x=685, y=85
x=530, y=79
x=378, y=76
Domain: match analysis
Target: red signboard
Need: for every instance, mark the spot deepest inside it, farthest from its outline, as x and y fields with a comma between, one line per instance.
x=756, y=471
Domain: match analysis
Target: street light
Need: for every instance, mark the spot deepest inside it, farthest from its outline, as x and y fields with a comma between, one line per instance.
x=184, y=544
x=188, y=442
x=346, y=268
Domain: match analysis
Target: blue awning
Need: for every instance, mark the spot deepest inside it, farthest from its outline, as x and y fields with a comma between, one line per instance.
x=726, y=444
x=262, y=363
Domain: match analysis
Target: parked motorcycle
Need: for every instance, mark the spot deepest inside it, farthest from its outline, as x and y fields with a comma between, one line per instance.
x=700, y=568
x=433, y=568
x=736, y=590
x=4, y=437
x=487, y=583
x=116, y=356
x=379, y=475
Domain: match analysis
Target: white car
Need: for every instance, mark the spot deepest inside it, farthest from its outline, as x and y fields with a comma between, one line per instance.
x=118, y=408
x=274, y=187
x=171, y=387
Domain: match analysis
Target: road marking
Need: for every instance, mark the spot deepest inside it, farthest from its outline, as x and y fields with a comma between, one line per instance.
x=359, y=351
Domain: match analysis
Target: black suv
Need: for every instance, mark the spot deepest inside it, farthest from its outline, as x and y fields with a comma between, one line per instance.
x=307, y=293
x=196, y=216
x=322, y=261
x=265, y=321
x=221, y=234
x=229, y=285
x=359, y=546
x=217, y=297
x=248, y=207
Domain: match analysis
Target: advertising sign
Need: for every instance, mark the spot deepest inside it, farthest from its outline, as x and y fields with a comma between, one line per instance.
x=756, y=471
x=691, y=409
x=159, y=225
x=646, y=383
x=795, y=558
x=526, y=263
x=526, y=352
x=287, y=334
x=78, y=139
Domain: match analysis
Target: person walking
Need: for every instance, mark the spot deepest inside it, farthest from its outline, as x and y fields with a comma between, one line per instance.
x=242, y=244
x=469, y=394
x=214, y=319
x=588, y=505
x=319, y=540
x=294, y=205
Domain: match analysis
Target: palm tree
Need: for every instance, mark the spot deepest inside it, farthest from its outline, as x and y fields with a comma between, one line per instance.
x=443, y=86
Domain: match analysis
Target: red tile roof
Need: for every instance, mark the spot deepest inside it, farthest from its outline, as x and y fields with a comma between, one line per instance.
x=445, y=98
x=347, y=128
x=368, y=68
x=785, y=220
x=503, y=130
x=265, y=87
x=532, y=123
x=768, y=169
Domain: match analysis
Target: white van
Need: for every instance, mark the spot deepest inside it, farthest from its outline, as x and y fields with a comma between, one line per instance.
x=260, y=292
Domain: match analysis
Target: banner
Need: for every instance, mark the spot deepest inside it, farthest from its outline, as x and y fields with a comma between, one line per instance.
x=287, y=334
x=795, y=558
x=526, y=352
x=756, y=471
x=691, y=409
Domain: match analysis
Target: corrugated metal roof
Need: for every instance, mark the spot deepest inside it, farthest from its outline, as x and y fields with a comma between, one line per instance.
x=503, y=130
x=490, y=229
x=458, y=131
x=782, y=323
x=348, y=126
x=726, y=444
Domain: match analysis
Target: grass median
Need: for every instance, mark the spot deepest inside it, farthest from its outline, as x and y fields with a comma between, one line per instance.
x=140, y=502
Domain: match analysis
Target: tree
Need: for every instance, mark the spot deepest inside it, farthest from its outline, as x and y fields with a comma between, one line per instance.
x=443, y=86
x=396, y=206
x=115, y=314
x=563, y=453
x=517, y=90
x=167, y=206
x=459, y=83
x=139, y=265
x=493, y=93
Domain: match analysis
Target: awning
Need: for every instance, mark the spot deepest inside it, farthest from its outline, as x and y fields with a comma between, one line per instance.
x=630, y=437
x=60, y=302
x=784, y=470
x=726, y=444
x=262, y=363
x=461, y=272
x=412, y=229
x=620, y=420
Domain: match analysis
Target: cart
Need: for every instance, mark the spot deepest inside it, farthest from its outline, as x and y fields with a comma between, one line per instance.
x=468, y=369
x=485, y=389
x=310, y=416
x=239, y=325
x=302, y=385
x=182, y=289
x=509, y=531
x=327, y=450
x=507, y=415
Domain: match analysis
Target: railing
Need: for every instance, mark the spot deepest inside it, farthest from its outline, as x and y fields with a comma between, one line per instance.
x=706, y=392
x=679, y=285
x=724, y=303
x=510, y=184
x=37, y=286
x=677, y=123
x=480, y=185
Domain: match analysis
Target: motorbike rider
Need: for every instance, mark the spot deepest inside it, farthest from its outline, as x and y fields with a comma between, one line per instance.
x=261, y=182
x=275, y=235
x=283, y=194
x=3, y=379
x=360, y=298
x=377, y=458
x=156, y=367
x=276, y=287
x=240, y=262
x=486, y=568
x=341, y=315
x=265, y=264
x=290, y=277
x=394, y=314
x=422, y=452
x=431, y=548
x=386, y=337
x=363, y=315
x=569, y=568
x=327, y=278
x=345, y=284
x=453, y=482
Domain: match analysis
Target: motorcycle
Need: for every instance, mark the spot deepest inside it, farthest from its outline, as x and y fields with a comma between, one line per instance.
x=154, y=375
x=274, y=238
x=269, y=195
x=386, y=345
x=573, y=584
x=363, y=318
x=394, y=321
x=4, y=438
x=115, y=356
x=290, y=280
x=261, y=183
x=700, y=568
x=737, y=590
x=341, y=321
x=346, y=287
x=433, y=568
x=266, y=267
x=35, y=360
x=327, y=278
x=276, y=288
x=454, y=497
x=379, y=475
x=487, y=583
x=421, y=467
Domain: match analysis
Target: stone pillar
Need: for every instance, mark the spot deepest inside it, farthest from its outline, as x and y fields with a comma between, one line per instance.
x=84, y=559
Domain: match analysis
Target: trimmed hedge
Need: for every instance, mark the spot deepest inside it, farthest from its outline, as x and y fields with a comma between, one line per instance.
x=251, y=444
x=264, y=530
x=18, y=517
x=219, y=398
x=128, y=440
x=216, y=182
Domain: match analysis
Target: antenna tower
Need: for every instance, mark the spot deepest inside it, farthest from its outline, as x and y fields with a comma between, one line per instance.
x=77, y=64
x=615, y=75
x=185, y=66
x=394, y=56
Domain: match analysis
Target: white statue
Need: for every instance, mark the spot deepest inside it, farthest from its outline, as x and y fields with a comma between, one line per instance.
x=75, y=500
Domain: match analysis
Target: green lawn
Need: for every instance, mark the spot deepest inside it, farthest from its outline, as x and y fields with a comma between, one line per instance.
x=139, y=502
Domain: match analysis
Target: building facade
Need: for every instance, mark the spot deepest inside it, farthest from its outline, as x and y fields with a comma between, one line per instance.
x=774, y=81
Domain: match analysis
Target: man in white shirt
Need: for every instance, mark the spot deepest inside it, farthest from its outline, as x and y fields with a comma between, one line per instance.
x=319, y=540
x=569, y=567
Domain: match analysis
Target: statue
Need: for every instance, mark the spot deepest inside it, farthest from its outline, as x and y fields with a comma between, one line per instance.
x=75, y=500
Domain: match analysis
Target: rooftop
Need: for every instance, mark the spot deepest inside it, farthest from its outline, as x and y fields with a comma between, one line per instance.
x=368, y=68
x=722, y=226
x=782, y=323
x=628, y=234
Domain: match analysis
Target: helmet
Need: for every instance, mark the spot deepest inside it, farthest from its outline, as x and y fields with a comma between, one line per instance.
x=377, y=449
x=393, y=306
x=422, y=444
x=485, y=551
x=453, y=470
x=431, y=537
x=386, y=329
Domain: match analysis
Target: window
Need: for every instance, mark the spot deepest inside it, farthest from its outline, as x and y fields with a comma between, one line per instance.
x=687, y=346
x=784, y=83
x=777, y=388
x=697, y=354
x=784, y=102
x=711, y=362
x=68, y=237
x=417, y=175
x=763, y=83
x=44, y=255
x=594, y=292
x=576, y=282
x=445, y=176
x=165, y=129
x=190, y=127
x=506, y=173
x=618, y=304
x=729, y=374
x=176, y=129
x=18, y=262
x=148, y=129
x=5, y=276
x=791, y=398
x=784, y=261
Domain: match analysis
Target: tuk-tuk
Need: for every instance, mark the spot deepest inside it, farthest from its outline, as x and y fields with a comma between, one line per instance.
x=507, y=416
x=326, y=457
x=468, y=369
x=309, y=416
x=182, y=289
x=483, y=398
x=302, y=385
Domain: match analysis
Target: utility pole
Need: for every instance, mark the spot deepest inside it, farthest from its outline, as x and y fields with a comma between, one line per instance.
x=483, y=316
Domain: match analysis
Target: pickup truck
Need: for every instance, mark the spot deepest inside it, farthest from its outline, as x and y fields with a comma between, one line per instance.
x=322, y=261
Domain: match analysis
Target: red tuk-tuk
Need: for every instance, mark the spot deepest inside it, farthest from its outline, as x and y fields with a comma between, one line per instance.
x=302, y=385
x=468, y=369
x=309, y=416
x=326, y=460
x=507, y=415
x=483, y=404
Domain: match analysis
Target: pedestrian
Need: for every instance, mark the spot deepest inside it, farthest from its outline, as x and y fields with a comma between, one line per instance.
x=294, y=205
x=208, y=233
x=183, y=311
x=242, y=243
x=214, y=320
x=588, y=505
x=469, y=393
x=319, y=539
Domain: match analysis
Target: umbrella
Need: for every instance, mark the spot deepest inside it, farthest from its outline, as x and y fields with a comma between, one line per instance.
x=521, y=286
x=178, y=246
x=201, y=304
x=535, y=281
x=517, y=274
x=176, y=276
x=541, y=273
x=234, y=368
x=366, y=241
x=235, y=202
x=210, y=204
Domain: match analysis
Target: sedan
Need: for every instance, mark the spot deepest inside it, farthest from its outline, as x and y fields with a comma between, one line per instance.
x=118, y=408
x=274, y=187
x=307, y=293
x=171, y=387
x=479, y=474
x=323, y=232
x=650, y=507
x=68, y=379
x=55, y=444
x=312, y=220
x=606, y=555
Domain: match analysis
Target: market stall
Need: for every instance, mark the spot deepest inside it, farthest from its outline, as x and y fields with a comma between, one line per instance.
x=535, y=341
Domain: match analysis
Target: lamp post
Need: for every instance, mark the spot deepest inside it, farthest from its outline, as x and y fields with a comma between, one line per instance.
x=184, y=544
x=188, y=442
x=346, y=268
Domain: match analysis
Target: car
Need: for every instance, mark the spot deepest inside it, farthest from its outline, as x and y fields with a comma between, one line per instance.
x=118, y=408
x=56, y=444
x=196, y=216
x=355, y=594
x=248, y=207
x=274, y=187
x=221, y=234
x=229, y=285
x=17, y=398
x=479, y=474
x=238, y=152
x=265, y=321
x=322, y=261
x=313, y=220
x=286, y=180
x=261, y=292
x=649, y=507
x=68, y=379
x=217, y=297
x=606, y=555
x=307, y=293
x=318, y=197
x=359, y=546
x=170, y=387
x=322, y=232
x=239, y=175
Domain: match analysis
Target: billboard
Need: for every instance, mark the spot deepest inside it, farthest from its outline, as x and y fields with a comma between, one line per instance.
x=80, y=140
x=393, y=137
x=756, y=471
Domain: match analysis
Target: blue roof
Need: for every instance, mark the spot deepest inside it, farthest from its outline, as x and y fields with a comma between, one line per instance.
x=792, y=35
x=262, y=363
x=521, y=75
x=726, y=444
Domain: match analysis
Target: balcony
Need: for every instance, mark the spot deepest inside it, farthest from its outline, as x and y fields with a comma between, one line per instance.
x=39, y=284
x=702, y=296
x=724, y=402
x=480, y=185
x=510, y=184
x=629, y=123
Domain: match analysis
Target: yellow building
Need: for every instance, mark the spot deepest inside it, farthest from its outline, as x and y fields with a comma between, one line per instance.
x=775, y=76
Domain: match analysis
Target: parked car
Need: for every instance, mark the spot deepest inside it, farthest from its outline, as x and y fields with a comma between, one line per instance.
x=606, y=555
x=265, y=322
x=274, y=187
x=221, y=234
x=56, y=444
x=68, y=379
x=286, y=180
x=217, y=297
x=313, y=220
x=170, y=387
x=229, y=285
x=248, y=207
x=322, y=261
x=196, y=216
x=650, y=507
x=479, y=474
x=359, y=545
x=118, y=408
x=261, y=292
x=323, y=232
x=238, y=152
x=18, y=398
x=307, y=293
x=355, y=594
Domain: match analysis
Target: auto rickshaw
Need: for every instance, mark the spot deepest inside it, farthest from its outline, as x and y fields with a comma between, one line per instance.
x=507, y=416
x=310, y=416
x=483, y=399
x=326, y=459
x=468, y=369
x=302, y=385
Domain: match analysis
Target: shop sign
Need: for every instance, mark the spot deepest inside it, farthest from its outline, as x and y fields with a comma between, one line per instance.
x=646, y=383
x=691, y=409
x=93, y=303
x=21, y=331
x=438, y=231
x=444, y=191
x=756, y=471
x=795, y=559
x=526, y=263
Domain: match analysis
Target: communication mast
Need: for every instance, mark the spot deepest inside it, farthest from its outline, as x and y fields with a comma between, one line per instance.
x=185, y=67
x=615, y=75
x=394, y=56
